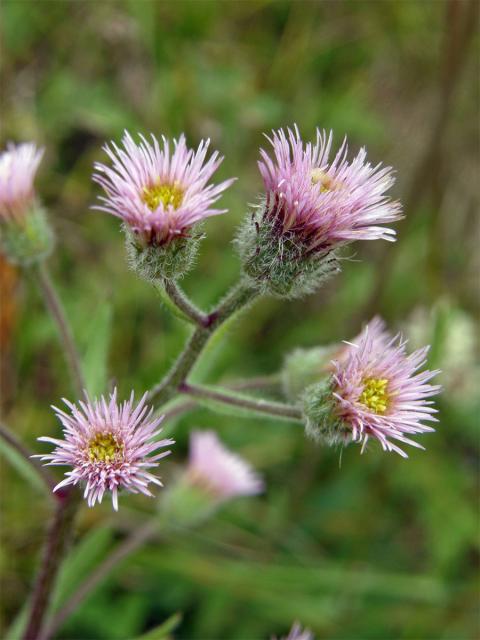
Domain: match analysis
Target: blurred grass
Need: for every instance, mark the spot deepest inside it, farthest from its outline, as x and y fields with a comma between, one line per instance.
x=378, y=548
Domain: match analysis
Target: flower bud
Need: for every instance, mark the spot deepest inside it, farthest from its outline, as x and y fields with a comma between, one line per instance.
x=214, y=475
x=25, y=235
x=186, y=504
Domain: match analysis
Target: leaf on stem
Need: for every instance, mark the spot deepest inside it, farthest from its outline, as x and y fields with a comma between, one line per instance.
x=23, y=466
x=162, y=632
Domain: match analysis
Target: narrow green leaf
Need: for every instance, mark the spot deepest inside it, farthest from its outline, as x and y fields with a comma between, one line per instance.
x=83, y=558
x=162, y=632
x=96, y=355
x=23, y=467
x=15, y=631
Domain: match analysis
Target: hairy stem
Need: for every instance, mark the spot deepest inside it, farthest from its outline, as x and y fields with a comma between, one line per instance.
x=54, y=305
x=260, y=382
x=258, y=405
x=235, y=300
x=58, y=538
x=123, y=550
x=182, y=367
x=182, y=302
x=43, y=474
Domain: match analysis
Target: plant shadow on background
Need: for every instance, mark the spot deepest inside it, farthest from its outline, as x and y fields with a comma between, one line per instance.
x=379, y=547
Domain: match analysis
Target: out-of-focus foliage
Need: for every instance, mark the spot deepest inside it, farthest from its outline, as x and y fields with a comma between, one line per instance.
x=377, y=547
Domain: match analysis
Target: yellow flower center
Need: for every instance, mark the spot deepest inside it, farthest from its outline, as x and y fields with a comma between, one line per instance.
x=167, y=194
x=105, y=447
x=374, y=395
x=324, y=180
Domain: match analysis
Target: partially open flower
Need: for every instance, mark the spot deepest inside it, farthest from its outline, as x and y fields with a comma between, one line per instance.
x=219, y=471
x=18, y=167
x=212, y=476
x=376, y=391
x=325, y=203
x=24, y=232
x=109, y=447
x=312, y=206
x=297, y=633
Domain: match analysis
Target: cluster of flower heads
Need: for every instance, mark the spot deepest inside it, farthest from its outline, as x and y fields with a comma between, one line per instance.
x=158, y=192
x=324, y=203
x=161, y=193
x=18, y=167
x=381, y=392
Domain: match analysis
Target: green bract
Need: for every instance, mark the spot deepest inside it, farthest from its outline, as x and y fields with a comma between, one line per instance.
x=277, y=263
x=170, y=261
x=27, y=239
x=321, y=423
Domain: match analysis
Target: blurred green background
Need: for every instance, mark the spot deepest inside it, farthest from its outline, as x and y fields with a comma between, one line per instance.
x=378, y=547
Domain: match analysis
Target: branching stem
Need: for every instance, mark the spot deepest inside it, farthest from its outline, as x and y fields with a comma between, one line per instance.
x=236, y=299
x=186, y=306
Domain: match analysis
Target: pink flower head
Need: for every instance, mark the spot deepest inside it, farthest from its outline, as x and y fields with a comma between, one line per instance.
x=297, y=633
x=18, y=166
x=380, y=392
x=325, y=204
x=159, y=193
x=220, y=471
x=109, y=447
x=378, y=333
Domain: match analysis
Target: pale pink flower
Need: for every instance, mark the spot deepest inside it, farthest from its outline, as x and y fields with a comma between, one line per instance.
x=18, y=166
x=323, y=203
x=297, y=633
x=379, y=336
x=220, y=471
x=380, y=392
x=109, y=447
x=158, y=192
